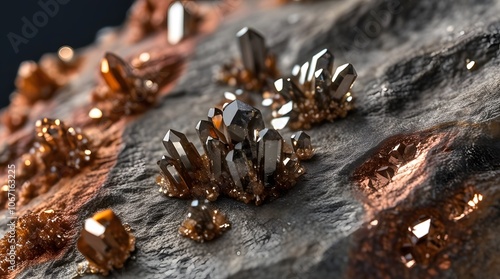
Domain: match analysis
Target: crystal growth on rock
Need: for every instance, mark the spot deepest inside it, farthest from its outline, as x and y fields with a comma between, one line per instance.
x=128, y=90
x=35, y=235
x=105, y=242
x=256, y=67
x=313, y=94
x=203, y=222
x=242, y=159
x=58, y=151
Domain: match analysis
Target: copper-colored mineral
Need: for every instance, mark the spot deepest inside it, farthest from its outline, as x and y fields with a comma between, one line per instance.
x=105, y=242
x=58, y=151
x=130, y=90
x=242, y=159
x=32, y=84
x=32, y=236
x=203, y=222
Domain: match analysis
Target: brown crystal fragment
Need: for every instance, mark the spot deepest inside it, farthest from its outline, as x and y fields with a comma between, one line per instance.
x=105, y=242
x=302, y=146
x=34, y=235
x=313, y=94
x=256, y=68
x=425, y=237
x=130, y=90
x=203, y=222
x=242, y=160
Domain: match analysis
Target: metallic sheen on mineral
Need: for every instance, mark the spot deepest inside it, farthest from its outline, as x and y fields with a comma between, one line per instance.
x=242, y=159
x=105, y=242
x=315, y=93
x=203, y=222
x=35, y=235
x=129, y=90
x=58, y=151
x=257, y=66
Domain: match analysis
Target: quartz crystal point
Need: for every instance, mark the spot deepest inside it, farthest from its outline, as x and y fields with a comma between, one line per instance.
x=105, y=242
x=203, y=222
x=242, y=159
x=180, y=22
x=257, y=68
x=313, y=94
x=301, y=143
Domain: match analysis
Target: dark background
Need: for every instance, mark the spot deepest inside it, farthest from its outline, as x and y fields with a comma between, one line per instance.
x=75, y=24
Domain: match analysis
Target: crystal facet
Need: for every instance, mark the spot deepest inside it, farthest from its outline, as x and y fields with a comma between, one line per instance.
x=105, y=242
x=180, y=22
x=312, y=95
x=242, y=160
x=203, y=222
x=257, y=68
x=301, y=143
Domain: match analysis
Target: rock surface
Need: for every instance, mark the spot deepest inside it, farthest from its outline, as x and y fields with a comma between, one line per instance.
x=411, y=57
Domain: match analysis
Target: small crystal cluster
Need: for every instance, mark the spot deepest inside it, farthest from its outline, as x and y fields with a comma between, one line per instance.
x=243, y=159
x=401, y=154
x=203, y=222
x=313, y=94
x=257, y=68
x=58, y=151
x=425, y=237
x=36, y=235
x=105, y=242
x=33, y=83
x=124, y=93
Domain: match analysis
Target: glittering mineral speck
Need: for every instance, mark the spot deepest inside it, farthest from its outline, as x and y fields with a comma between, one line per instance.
x=315, y=93
x=256, y=67
x=58, y=151
x=203, y=222
x=242, y=159
x=37, y=235
x=105, y=242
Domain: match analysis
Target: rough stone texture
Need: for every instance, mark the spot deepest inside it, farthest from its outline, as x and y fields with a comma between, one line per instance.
x=412, y=72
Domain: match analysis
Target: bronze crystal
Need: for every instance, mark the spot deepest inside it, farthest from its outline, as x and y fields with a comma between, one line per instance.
x=242, y=159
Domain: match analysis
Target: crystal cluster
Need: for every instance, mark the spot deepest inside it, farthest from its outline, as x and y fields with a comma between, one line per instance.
x=313, y=94
x=257, y=68
x=58, y=151
x=243, y=159
x=32, y=84
x=125, y=93
x=401, y=154
x=37, y=235
x=105, y=242
x=425, y=237
x=203, y=222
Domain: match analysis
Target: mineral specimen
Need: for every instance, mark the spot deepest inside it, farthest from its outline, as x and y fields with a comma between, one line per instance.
x=203, y=222
x=242, y=159
x=105, y=242
x=32, y=84
x=257, y=66
x=35, y=235
x=181, y=22
x=313, y=94
x=128, y=90
x=58, y=151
